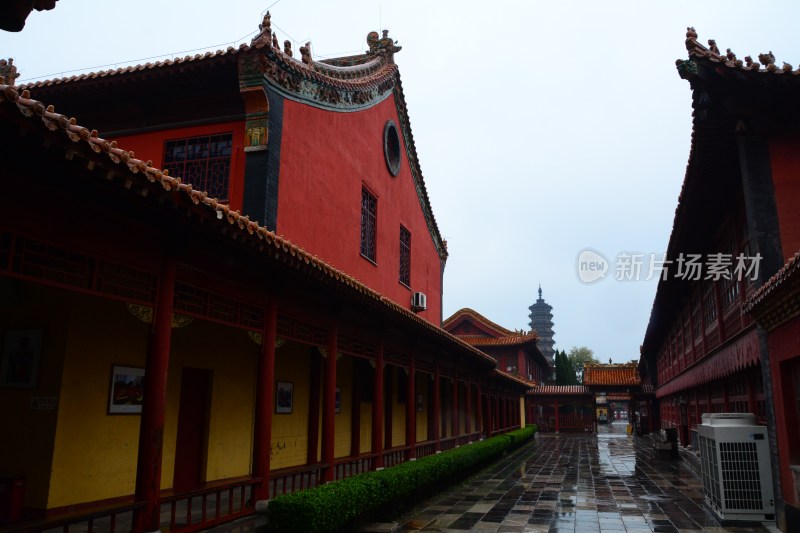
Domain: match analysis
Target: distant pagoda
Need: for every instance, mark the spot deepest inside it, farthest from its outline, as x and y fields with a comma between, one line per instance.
x=542, y=323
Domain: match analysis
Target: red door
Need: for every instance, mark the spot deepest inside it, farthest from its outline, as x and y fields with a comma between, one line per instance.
x=191, y=444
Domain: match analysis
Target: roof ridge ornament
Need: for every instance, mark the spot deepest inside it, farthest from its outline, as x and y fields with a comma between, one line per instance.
x=305, y=53
x=767, y=59
x=382, y=46
x=8, y=71
x=265, y=30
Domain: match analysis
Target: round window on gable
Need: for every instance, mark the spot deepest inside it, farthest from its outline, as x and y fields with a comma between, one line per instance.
x=391, y=147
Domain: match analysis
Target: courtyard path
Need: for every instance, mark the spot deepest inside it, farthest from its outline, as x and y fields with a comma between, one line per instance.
x=600, y=483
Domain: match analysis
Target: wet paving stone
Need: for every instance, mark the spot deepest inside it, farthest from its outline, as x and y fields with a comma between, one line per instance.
x=607, y=483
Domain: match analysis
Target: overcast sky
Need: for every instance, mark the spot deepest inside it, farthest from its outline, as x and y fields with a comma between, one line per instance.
x=542, y=128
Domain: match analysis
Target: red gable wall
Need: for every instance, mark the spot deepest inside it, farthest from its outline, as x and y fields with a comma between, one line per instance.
x=326, y=157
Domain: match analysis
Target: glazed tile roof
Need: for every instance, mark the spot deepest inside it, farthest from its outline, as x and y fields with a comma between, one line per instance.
x=477, y=317
x=772, y=286
x=511, y=340
x=244, y=231
x=621, y=374
x=765, y=64
x=348, y=73
x=511, y=377
x=559, y=390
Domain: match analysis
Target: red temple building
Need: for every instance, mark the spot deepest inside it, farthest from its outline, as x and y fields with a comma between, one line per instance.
x=232, y=292
x=737, y=221
x=516, y=352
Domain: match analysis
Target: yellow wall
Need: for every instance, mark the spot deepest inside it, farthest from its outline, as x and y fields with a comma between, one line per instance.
x=366, y=427
x=95, y=453
x=26, y=446
x=290, y=431
x=343, y=421
x=233, y=360
x=398, y=414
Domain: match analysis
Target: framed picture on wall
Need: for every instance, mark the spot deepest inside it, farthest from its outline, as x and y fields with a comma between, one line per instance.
x=126, y=393
x=337, y=402
x=284, y=397
x=20, y=364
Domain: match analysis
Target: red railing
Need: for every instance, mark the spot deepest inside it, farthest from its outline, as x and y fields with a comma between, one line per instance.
x=350, y=466
x=293, y=479
x=424, y=449
x=208, y=506
x=448, y=443
x=395, y=456
x=111, y=519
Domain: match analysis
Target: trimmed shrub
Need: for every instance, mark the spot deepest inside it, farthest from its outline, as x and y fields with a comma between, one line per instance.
x=339, y=505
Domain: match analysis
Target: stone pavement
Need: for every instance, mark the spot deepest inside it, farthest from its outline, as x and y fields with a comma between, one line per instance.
x=595, y=484
x=601, y=483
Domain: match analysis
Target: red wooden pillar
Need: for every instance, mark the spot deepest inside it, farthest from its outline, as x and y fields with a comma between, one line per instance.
x=454, y=411
x=151, y=425
x=265, y=393
x=517, y=416
x=521, y=370
x=315, y=385
x=329, y=404
x=437, y=409
x=515, y=410
x=388, y=408
x=467, y=407
x=489, y=427
x=355, y=410
x=377, y=409
x=479, y=415
x=411, y=410
x=555, y=407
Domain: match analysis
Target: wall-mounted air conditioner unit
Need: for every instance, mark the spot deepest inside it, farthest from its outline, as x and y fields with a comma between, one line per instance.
x=418, y=301
x=734, y=459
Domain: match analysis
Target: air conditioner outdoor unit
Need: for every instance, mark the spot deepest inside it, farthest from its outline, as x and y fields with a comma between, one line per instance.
x=734, y=460
x=418, y=301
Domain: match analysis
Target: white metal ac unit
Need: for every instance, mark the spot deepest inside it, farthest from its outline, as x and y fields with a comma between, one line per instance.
x=734, y=459
x=418, y=301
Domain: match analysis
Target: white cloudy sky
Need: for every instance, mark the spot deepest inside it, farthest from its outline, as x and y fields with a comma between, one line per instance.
x=543, y=128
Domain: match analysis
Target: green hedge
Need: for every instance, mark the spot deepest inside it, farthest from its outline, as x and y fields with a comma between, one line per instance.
x=338, y=505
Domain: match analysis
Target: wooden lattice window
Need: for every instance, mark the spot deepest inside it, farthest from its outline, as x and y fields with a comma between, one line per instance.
x=204, y=162
x=405, y=256
x=369, y=224
x=709, y=305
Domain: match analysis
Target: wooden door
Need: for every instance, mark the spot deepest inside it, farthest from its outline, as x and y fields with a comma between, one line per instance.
x=191, y=446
